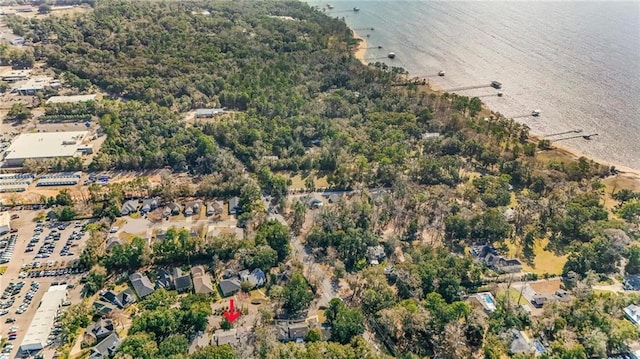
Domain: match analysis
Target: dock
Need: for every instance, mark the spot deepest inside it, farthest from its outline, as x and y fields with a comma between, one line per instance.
x=468, y=88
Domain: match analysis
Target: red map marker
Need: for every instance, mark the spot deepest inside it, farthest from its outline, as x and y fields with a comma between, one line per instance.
x=231, y=314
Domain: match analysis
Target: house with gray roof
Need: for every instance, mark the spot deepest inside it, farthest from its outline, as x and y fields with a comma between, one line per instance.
x=103, y=308
x=520, y=343
x=99, y=330
x=200, y=341
x=141, y=284
x=222, y=337
x=181, y=281
x=129, y=207
x=106, y=348
x=201, y=280
x=229, y=287
x=289, y=331
x=256, y=277
x=149, y=204
x=172, y=209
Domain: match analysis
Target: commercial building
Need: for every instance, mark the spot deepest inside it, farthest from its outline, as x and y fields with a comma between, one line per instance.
x=5, y=223
x=72, y=99
x=40, y=327
x=44, y=146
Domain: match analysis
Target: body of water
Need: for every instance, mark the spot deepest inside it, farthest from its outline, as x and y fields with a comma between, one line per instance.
x=576, y=62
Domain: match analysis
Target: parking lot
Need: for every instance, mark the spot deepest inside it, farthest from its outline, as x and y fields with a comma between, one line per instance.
x=43, y=255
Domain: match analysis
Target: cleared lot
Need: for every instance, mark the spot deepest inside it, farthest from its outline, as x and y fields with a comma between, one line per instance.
x=19, y=267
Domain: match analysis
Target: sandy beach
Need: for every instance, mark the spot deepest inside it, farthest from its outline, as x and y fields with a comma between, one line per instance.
x=628, y=172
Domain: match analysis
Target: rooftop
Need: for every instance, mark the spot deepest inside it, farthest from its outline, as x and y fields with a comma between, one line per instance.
x=40, y=327
x=45, y=145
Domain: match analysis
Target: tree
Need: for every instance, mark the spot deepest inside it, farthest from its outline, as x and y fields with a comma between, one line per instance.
x=63, y=198
x=44, y=9
x=276, y=235
x=314, y=335
x=139, y=346
x=345, y=322
x=633, y=260
x=215, y=352
x=297, y=295
x=127, y=256
x=67, y=213
x=95, y=282
x=174, y=345
x=19, y=112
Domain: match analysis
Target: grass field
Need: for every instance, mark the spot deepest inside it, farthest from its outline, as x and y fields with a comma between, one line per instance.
x=544, y=261
x=297, y=182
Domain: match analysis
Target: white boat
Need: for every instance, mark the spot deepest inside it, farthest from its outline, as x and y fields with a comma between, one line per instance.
x=441, y=73
x=535, y=113
x=391, y=55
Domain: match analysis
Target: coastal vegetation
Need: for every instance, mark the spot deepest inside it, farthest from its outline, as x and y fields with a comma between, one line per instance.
x=429, y=175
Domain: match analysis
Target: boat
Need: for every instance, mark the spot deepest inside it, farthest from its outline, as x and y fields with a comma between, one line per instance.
x=329, y=6
x=535, y=113
x=391, y=55
x=496, y=85
x=356, y=9
x=441, y=73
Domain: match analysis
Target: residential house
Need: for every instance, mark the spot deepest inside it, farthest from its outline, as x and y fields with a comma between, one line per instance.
x=181, y=281
x=222, y=337
x=112, y=242
x=121, y=300
x=214, y=208
x=489, y=256
x=201, y=280
x=103, y=308
x=539, y=300
x=520, y=343
x=99, y=330
x=129, y=207
x=172, y=209
x=200, y=341
x=191, y=208
x=208, y=112
x=164, y=279
x=229, y=287
x=632, y=312
x=106, y=348
x=256, y=277
x=141, y=284
x=375, y=254
x=149, y=204
x=234, y=206
x=290, y=331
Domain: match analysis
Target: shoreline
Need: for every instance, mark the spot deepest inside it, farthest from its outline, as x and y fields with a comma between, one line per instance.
x=360, y=53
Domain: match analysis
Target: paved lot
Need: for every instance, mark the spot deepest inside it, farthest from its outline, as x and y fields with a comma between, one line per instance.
x=26, y=226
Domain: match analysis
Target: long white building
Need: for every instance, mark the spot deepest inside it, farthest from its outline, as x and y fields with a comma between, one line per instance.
x=42, y=323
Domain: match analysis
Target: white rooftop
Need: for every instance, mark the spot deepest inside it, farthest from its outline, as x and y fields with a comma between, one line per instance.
x=42, y=323
x=71, y=99
x=34, y=83
x=45, y=145
x=632, y=312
